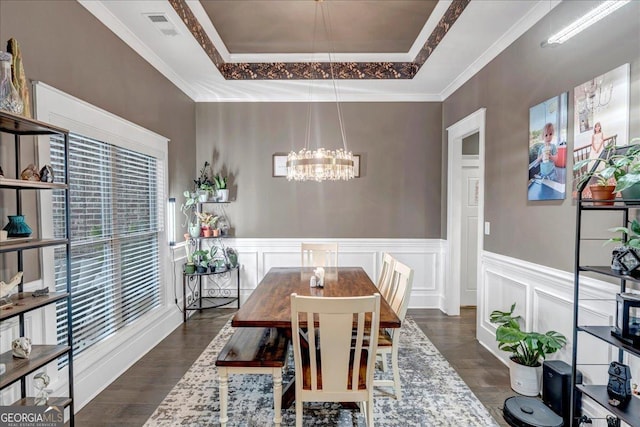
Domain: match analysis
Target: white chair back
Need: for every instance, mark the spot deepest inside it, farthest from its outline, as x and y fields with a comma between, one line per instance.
x=319, y=254
x=400, y=288
x=384, y=279
x=335, y=359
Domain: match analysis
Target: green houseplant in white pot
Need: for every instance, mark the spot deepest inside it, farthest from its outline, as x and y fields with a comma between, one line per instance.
x=221, y=188
x=528, y=350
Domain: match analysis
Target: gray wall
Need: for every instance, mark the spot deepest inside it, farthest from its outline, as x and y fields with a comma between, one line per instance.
x=66, y=47
x=523, y=76
x=398, y=194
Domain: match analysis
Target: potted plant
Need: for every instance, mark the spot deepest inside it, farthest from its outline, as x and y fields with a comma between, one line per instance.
x=203, y=259
x=188, y=209
x=208, y=221
x=204, y=186
x=626, y=256
x=190, y=266
x=221, y=187
x=232, y=257
x=617, y=170
x=527, y=349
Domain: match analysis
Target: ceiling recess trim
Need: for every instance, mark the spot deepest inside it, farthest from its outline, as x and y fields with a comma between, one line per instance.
x=319, y=70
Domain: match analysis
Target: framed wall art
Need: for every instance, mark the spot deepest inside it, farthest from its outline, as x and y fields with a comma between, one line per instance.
x=548, y=149
x=279, y=165
x=601, y=117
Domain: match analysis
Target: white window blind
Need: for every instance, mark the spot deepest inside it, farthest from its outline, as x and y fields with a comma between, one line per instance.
x=116, y=217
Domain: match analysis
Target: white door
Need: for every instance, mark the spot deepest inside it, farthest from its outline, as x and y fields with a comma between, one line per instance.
x=469, y=230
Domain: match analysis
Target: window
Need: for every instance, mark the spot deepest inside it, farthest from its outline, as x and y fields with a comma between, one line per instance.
x=116, y=220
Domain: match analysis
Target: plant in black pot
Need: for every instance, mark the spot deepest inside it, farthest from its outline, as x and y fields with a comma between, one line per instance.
x=203, y=258
x=528, y=350
x=626, y=256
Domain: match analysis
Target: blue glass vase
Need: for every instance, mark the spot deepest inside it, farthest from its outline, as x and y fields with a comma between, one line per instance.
x=17, y=227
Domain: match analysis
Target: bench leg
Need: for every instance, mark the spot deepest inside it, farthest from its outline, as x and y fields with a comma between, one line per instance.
x=223, y=376
x=277, y=396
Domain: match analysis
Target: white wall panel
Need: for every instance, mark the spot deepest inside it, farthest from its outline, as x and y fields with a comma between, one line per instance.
x=424, y=256
x=544, y=298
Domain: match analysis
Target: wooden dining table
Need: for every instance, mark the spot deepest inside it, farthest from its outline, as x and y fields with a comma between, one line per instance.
x=270, y=303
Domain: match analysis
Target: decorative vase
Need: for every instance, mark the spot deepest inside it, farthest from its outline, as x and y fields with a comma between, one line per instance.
x=194, y=231
x=525, y=380
x=9, y=97
x=17, y=227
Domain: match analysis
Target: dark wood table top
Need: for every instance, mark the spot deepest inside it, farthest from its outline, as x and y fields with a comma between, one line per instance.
x=270, y=304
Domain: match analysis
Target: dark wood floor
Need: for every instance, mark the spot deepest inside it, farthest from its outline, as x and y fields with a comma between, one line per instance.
x=133, y=397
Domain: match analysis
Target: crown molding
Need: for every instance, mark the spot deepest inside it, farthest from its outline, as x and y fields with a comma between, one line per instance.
x=519, y=28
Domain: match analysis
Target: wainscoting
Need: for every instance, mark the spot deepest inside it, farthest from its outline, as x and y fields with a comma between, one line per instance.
x=425, y=256
x=544, y=298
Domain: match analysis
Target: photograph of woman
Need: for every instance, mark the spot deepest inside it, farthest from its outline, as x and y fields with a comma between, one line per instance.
x=597, y=141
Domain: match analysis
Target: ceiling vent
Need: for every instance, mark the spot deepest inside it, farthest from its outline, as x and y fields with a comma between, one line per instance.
x=161, y=22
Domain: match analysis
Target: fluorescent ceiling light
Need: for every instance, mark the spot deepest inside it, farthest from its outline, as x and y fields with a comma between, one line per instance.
x=584, y=22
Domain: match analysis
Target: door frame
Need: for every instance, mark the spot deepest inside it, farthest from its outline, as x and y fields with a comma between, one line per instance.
x=469, y=125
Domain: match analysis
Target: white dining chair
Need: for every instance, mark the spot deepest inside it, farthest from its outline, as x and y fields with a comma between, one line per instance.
x=384, y=279
x=319, y=254
x=328, y=368
x=400, y=286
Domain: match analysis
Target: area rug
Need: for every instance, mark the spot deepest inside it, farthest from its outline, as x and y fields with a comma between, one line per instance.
x=432, y=394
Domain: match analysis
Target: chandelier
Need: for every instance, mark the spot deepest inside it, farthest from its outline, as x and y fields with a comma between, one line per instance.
x=322, y=164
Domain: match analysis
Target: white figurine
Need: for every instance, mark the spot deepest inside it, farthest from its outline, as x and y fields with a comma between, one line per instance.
x=21, y=347
x=40, y=382
x=5, y=288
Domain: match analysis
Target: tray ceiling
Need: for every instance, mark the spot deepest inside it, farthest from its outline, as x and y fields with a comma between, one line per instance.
x=257, y=50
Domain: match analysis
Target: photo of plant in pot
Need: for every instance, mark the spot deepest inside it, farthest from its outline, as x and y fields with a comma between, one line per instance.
x=625, y=257
x=528, y=350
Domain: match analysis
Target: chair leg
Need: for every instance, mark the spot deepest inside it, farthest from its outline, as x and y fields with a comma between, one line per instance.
x=277, y=396
x=369, y=416
x=298, y=413
x=223, y=376
x=396, y=372
x=383, y=356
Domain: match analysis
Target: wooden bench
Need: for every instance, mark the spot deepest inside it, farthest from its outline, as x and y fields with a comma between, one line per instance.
x=253, y=351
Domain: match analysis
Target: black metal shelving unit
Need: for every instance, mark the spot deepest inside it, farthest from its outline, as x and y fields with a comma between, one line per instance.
x=24, y=302
x=630, y=414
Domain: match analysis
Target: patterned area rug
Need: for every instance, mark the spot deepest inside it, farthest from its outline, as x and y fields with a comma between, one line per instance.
x=432, y=395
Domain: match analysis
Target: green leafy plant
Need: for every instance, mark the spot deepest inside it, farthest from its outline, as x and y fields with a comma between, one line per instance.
x=203, y=257
x=526, y=348
x=220, y=181
x=204, y=181
x=630, y=237
x=188, y=207
x=623, y=167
